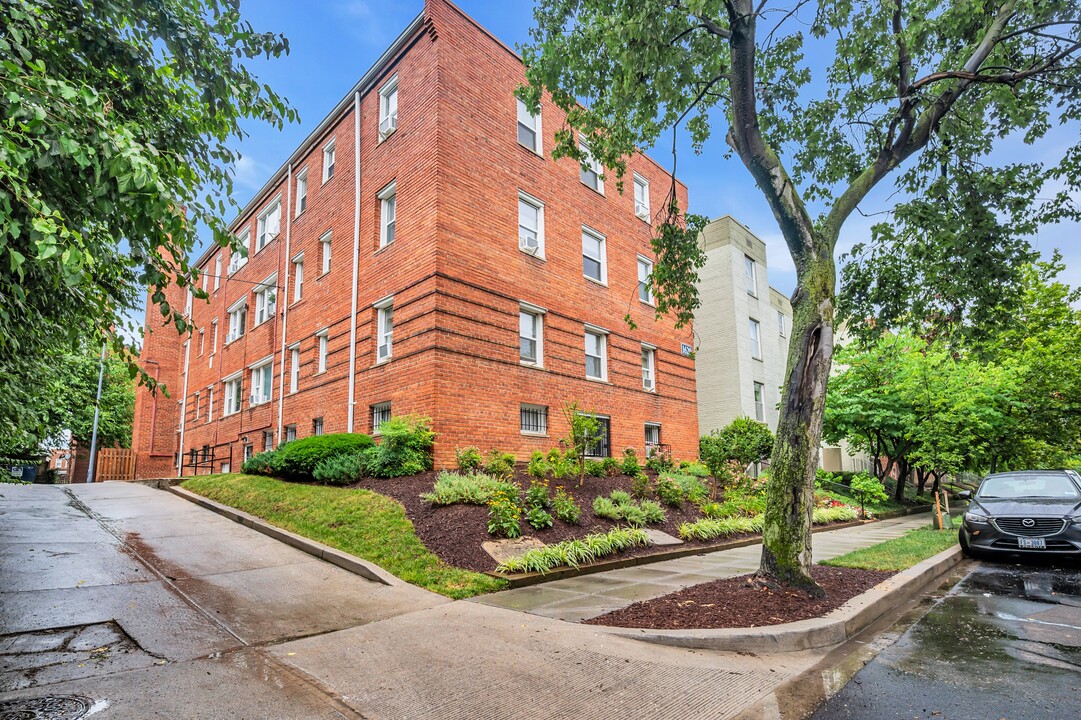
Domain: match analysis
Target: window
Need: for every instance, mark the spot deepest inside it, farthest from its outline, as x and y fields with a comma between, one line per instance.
x=298, y=277
x=269, y=225
x=387, y=212
x=217, y=272
x=653, y=436
x=529, y=129
x=294, y=369
x=641, y=197
x=290, y=432
x=203, y=274
x=198, y=403
x=531, y=334
x=187, y=303
x=388, y=108
x=324, y=341
x=530, y=225
x=202, y=341
x=233, y=391
x=593, y=260
x=210, y=404
x=590, y=170
x=759, y=402
x=385, y=329
x=213, y=336
x=596, y=354
x=601, y=447
x=268, y=440
x=302, y=193
x=749, y=272
x=249, y=450
x=645, y=286
x=317, y=426
x=324, y=244
x=380, y=414
x=782, y=323
x=238, y=316
x=534, y=419
x=328, y=161
x=648, y=373
x=262, y=382
x=266, y=300
x=756, y=339
x=237, y=256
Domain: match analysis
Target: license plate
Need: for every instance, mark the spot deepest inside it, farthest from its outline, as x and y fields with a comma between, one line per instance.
x=1031, y=544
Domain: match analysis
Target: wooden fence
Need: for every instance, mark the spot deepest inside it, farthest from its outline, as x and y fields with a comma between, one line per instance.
x=115, y=464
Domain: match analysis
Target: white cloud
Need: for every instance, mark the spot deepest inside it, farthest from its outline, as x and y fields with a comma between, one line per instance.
x=250, y=173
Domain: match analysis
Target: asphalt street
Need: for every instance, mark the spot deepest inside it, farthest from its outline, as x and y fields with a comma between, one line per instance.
x=1005, y=643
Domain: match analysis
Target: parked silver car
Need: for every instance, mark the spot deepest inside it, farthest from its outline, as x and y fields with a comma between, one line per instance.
x=1031, y=511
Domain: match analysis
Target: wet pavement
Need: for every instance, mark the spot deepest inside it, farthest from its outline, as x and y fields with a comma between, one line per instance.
x=1004, y=643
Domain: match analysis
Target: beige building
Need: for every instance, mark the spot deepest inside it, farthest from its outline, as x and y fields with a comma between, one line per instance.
x=742, y=330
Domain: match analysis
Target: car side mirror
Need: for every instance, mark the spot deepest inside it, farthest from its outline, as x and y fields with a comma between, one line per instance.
x=964, y=495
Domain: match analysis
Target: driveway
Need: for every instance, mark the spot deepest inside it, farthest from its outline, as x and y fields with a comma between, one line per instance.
x=1004, y=643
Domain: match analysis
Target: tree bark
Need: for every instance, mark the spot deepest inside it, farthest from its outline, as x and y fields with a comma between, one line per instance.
x=902, y=480
x=921, y=480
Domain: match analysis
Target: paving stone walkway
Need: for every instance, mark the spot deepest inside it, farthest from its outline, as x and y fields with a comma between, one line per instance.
x=579, y=598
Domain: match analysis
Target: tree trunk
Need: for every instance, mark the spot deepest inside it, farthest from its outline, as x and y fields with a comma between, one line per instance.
x=786, y=537
x=921, y=480
x=938, y=477
x=902, y=479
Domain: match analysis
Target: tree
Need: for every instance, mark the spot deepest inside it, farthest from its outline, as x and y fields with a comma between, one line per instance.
x=584, y=430
x=900, y=77
x=740, y=443
x=117, y=121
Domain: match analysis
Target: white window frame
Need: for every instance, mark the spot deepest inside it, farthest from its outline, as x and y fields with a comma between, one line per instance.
x=202, y=341
x=782, y=322
x=750, y=275
x=203, y=273
x=525, y=198
x=319, y=426
x=523, y=408
x=210, y=403
x=323, y=342
x=388, y=214
x=294, y=368
x=238, y=320
x=537, y=313
x=602, y=241
x=602, y=345
x=268, y=440
x=324, y=246
x=270, y=224
x=238, y=258
x=198, y=402
x=302, y=192
x=290, y=433
x=590, y=165
x=234, y=392
x=384, y=337
x=262, y=382
x=217, y=272
x=388, y=108
x=649, y=444
x=641, y=198
x=298, y=278
x=759, y=395
x=377, y=410
x=754, y=330
x=530, y=122
x=266, y=300
x=645, y=287
x=329, y=158
x=649, y=367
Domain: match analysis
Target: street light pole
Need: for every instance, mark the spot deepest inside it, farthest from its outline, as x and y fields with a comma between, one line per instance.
x=97, y=412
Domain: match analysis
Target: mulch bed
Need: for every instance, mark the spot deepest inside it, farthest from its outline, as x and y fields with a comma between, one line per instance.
x=455, y=532
x=733, y=603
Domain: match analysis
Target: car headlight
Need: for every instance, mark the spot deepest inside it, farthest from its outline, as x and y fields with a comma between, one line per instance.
x=976, y=518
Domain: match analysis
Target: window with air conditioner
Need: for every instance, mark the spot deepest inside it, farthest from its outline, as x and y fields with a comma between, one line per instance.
x=529, y=128
x=388, y=108
x=593, y=256
x=641, y=197
x=530, y=225
x=645, y=281
x=262, y=382
x=266, y=300
x=649, y=355
x=590, y=170
x=269, y=225
x=388, y=213
x=238, y=317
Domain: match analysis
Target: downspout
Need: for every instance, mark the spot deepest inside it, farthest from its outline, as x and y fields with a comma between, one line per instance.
x=285, y=292
x=356, y=261
x=183, y=409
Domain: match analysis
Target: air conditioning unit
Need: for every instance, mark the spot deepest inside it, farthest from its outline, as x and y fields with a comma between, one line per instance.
x=231, y=337
x=251, y=399
x=388, y=125
x=528, y=242
x=641, y=210
x=271, y=236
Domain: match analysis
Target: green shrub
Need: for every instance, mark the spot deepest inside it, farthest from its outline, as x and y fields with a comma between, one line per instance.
x=694, y=490
x=669, y=491
x=505, y=511
x=869, y=487
x=605, y=508
x=340, y=469
x=653, y=512
x=297, y=460
x=499, y=464
x=709, y=529
x=747, y=504
x=538, y=518
x=611, y=466
x=595, y=468
x=406, y=448
x=632, y=515
x=573, y=553
x=658, y=460
x=825, y=480
x=538, y=467
x=264, y=463
x=696, y=469
x=713, y=510
x=451, y=488
x=630, y=463
x=640, y=485
x=536, y=496
x=561, y=464
x=468, y=458
x=620, y=497
x=566, y=508
x=841, y=513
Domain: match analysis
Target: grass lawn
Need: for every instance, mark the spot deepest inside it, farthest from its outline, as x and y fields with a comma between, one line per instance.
x=360, y=522
x=900, y=553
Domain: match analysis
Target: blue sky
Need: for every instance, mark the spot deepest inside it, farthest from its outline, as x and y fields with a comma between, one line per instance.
x=332, y=43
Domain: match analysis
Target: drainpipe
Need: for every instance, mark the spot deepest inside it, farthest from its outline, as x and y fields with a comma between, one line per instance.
x=183, y=408
x=286, y=299
x=356, y=261
x=97, y=414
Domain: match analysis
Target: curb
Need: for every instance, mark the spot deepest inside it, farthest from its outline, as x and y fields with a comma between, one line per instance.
x=526, y=579
x=343, y=560
x=832, y=629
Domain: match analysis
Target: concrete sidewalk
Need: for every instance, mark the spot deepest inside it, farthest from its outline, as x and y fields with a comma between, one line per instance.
x=587, y=596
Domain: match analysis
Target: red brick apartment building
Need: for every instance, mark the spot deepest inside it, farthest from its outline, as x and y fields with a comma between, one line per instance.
x=421, y=252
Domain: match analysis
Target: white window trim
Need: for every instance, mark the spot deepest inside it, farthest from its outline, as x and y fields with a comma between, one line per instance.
x=659, y=430
x=532, y=433
x=237, y=258
x=380, y=306
x=379, y=406
x=539, y=313
x=302, y=179
x=329, y=150
x=384, y=195
x=268, y=285
x=298, y=280
x=294, y=367
x=538, y=204
x=538, y=148
x=322, y=345
x=261, y=228
x=586, y=230
x=756, y=353
x=226, y=381
x=603, y=335
x=326, y=253
x=255, y=367
x=241, y=304
x=652, y=349
x=593, y=165
x=210, y=403
x=753, y=289
x=217, y=272
x=388, y=122
x=759, y=407
x=782, y=323
x=649, y=286
x=642, y=213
